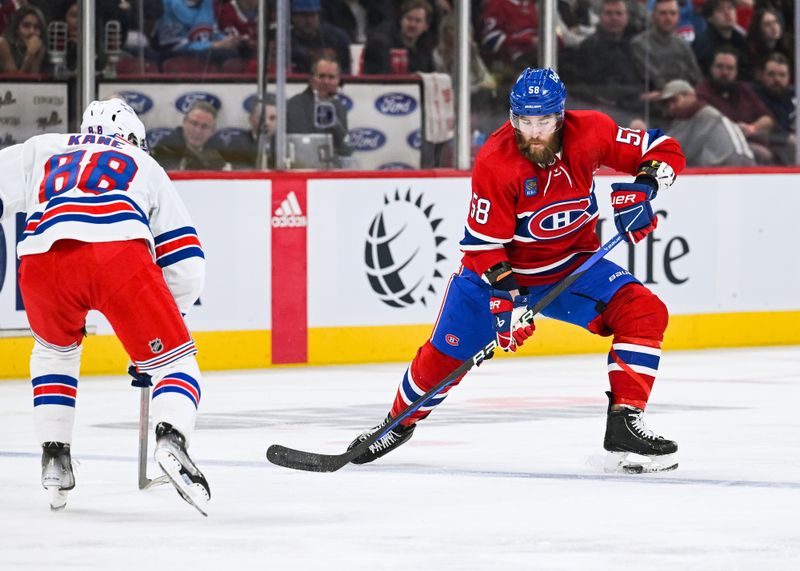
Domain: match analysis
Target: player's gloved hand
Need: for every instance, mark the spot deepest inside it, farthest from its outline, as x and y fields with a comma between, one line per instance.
x=633, y=214
x=506, y=310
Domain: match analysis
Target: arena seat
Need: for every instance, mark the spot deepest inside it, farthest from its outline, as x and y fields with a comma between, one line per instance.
x=189, y=64
x=133, y=66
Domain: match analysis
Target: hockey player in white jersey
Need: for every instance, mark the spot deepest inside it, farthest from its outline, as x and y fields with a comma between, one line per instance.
x=106, y=230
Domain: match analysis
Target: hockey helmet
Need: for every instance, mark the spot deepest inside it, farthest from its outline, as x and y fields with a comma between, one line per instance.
x=116, y=118
x=537, y=92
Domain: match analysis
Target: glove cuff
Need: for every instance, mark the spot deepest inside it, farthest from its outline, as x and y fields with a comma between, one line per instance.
x=501, y=276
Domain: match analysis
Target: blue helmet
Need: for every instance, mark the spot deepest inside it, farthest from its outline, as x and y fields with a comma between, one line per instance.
x=538, y=92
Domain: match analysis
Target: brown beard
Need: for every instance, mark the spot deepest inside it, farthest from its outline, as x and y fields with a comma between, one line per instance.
x=543, y=155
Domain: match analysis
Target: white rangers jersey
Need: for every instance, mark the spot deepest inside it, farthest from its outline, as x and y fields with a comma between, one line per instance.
x=93, y=188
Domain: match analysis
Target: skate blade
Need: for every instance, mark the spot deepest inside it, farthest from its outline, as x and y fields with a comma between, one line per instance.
x=58, y=498
x=194, y=494
x=620, y=463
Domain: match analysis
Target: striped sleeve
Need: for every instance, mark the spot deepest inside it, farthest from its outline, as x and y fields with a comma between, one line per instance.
x=176, y=245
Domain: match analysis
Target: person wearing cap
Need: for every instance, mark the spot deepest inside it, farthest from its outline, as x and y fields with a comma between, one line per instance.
x=707, y=137
x=312, y=38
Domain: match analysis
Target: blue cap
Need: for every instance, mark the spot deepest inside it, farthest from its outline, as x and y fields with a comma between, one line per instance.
x=305, y=6
x=538, y=92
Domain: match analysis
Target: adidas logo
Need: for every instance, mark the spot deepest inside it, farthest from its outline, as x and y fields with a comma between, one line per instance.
x=289, y=213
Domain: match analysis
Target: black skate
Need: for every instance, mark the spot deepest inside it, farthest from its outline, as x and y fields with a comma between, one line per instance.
x=627, y=433
x=57, y=475
x=174, y=460
x=388, y=442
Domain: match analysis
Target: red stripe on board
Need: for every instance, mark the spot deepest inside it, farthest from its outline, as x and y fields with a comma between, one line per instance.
x=289, y=273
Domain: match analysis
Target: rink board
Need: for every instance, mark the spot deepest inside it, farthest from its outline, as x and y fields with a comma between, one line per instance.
x=355, y=267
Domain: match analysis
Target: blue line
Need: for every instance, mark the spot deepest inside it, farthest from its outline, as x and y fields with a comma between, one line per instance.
x=658, y=479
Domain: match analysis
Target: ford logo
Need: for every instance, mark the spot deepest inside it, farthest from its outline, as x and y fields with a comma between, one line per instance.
x=395, y=104
x=185, y=101
x=414, y=139
x=138, y=101
x=395, y=166
x=154, y=136
x=366, y=139
x=346, y=102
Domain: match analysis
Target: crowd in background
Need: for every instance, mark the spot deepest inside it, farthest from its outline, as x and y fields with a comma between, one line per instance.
x=717, y=74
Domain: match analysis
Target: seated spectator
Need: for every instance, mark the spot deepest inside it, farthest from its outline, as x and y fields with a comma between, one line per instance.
x=660, y=55
x=606, y=74
x=312, y=38
x=767, y=36
x=721, y=31
x=577, y=22
x=22, y=47
x=510, y=34
x=189, y=147
x=357, y=17
x=773, y=88
x=316, y=110
x=241, y=150
x=690, y=18
x=738, y=102
x=444, y=59
x=707, y=137
x=405, y=47
x=188, y=27
x=240, y=18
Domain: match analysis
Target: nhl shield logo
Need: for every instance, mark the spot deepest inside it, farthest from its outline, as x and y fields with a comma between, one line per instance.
x=530, y=186
x=156, y=346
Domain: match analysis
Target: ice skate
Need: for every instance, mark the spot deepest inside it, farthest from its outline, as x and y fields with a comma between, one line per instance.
x=174, y=460
x=633, y=448
x=388, y=442
x=57, y=476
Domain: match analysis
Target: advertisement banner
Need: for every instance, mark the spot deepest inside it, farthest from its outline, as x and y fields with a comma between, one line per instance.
x=28, y=109
x=384, y=120
x=382, y=251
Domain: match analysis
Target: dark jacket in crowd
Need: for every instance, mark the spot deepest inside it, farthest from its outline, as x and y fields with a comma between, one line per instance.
x=378, y=52
x=241, y=150
x=172, y=153
x=300, y=119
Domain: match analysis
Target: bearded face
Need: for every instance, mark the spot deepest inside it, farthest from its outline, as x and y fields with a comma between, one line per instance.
x=538, y=138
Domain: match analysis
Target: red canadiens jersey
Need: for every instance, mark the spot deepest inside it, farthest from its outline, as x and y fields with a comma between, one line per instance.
x=542, y=219
x=510, y=28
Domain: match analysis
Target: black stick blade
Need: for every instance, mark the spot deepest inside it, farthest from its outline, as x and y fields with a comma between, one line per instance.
x=308, y=461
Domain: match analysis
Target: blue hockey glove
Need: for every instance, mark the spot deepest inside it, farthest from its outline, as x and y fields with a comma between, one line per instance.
x=506, y=310
x=633, y=214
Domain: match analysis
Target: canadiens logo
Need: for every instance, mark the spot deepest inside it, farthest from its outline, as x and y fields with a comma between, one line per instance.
x=156, y=346
x=452, y=340
x=562, y=218
x=530, y=186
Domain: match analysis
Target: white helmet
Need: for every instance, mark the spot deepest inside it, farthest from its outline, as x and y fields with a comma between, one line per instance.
x=116, y=118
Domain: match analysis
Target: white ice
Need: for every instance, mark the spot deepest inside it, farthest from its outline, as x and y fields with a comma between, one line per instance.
x=499, y=477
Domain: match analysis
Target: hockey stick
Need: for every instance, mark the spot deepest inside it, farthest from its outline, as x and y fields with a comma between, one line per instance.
x=313, y=462
x=143, y=381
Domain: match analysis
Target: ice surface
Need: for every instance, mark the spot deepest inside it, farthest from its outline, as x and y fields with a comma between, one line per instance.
x=500, y=477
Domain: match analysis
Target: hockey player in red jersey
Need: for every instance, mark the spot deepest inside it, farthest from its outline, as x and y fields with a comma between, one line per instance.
x=531, y=222
x=106, y=230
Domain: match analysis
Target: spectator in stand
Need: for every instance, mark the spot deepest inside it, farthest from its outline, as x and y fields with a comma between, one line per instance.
x=405, y=47
x=240, y=18
x=357, y=17
x=774, y=89
x=241, y=150
x=577, y=22
x=22, y=47
x=721, y=31
x=738, y=102
x=444, y=59
x=690, y=18
x=707, y=137
x=510, y=35
x=312, y=38
x=660, y=55
x=190, y=147
x=188, y=27
x=316, y=110
x=607, y=74
x=767, y=36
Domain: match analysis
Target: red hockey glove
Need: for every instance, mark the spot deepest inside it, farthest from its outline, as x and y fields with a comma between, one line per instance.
x=506, y=310
x=633, y=214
